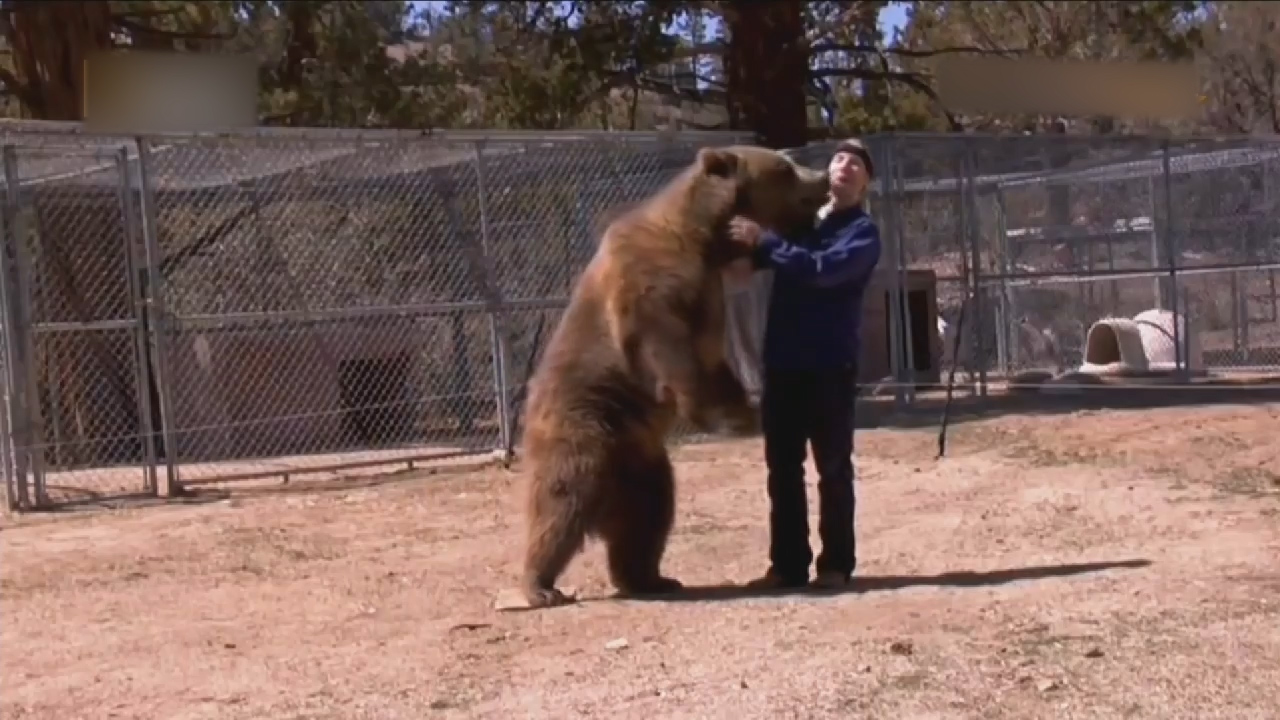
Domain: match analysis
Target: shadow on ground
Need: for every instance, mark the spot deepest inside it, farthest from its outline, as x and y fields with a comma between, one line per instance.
x=65, y=499
x=72, y=500
x=881, y=583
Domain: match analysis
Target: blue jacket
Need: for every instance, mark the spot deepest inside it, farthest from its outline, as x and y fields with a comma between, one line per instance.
x=815, y=308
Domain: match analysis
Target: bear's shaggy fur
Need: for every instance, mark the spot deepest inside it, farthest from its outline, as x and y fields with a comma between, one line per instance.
x=640, y=344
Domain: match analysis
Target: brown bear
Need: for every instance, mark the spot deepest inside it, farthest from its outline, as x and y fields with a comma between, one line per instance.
x=640, y=344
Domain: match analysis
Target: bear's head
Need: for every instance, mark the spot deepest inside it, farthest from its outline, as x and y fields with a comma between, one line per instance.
x=763, y=185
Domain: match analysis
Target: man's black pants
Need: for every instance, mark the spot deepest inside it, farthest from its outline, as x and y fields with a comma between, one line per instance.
x=814, y=408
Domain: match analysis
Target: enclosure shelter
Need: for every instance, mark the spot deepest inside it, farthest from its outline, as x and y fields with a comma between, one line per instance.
x=1170, y=341
x=919, y=345
x=1149, y=343
x=1114, y=347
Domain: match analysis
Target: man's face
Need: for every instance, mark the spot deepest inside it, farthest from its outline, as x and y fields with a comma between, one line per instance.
x=848, y=174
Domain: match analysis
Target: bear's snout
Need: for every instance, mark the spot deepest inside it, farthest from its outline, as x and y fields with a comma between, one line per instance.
x=814, y=187
x=817, y=181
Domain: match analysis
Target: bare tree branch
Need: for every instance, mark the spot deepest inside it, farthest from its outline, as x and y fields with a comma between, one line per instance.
x=671, y=90
x=718, y=48
x=137, y=28
x=906, y=53
x=152, y=13
x=911, y=80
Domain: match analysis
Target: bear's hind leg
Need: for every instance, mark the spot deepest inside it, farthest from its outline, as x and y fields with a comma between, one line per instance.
x=557, y=533
x=636, y=529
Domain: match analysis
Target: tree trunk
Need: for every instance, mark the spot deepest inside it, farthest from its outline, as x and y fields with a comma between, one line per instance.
x=302, y=46
x=767, y=70
x=50, y=41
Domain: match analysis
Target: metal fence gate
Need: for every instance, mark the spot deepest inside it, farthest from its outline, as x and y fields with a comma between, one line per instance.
x=75, y=345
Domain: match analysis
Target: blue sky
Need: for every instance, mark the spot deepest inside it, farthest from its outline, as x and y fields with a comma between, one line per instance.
x=892, y=17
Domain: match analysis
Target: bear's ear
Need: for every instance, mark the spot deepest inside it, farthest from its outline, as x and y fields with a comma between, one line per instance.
x=718, y=163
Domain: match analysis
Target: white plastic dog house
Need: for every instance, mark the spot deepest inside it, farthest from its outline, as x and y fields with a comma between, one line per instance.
x=1145, y=344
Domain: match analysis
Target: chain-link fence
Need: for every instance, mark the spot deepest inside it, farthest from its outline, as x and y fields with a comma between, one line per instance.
x=1028, y=243
x=183, y=310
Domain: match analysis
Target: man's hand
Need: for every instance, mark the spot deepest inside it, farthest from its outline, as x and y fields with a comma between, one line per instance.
x=744, y=232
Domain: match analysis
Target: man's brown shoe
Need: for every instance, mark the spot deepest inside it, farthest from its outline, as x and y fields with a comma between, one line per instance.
x=832, y=580
x=773, y=581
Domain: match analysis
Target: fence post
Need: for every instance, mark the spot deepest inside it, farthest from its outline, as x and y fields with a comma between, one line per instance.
x=898, y=324
x=25, y=326
x=968, y=289
x=156, y=319
x=14, y=418
x=1006, y=350
x=973, y=236
x=12, y=493
x=1171, y=257
x=142, y=371
x=14, y=488
x=493, y=301
x=906, y=339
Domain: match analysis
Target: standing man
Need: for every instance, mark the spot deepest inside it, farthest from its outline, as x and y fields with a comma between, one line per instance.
x=811, y=352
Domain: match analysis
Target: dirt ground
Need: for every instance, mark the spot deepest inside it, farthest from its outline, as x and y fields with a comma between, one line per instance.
x=1090, y=564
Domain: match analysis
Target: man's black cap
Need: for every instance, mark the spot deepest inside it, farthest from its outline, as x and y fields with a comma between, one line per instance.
x=854, y=146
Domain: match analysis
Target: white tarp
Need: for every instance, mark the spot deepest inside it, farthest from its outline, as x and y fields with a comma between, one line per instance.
x=746, y=310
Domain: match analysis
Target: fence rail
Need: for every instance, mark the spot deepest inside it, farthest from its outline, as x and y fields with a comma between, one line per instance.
x=193, y=309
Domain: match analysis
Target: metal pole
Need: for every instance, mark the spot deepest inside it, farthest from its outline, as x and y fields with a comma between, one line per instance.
x=493, y=299
x=142, y=374
x=890, y=196
x=30, y=379
x=1275, y=298
x=11, y=491
x=6, y=437
x=1005, y=349
x=903, y=303
x=1239, y=305
x=1171, y=247
x=1156, y=229
x=973, y=236
x=157, y=319
x=15, y=471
